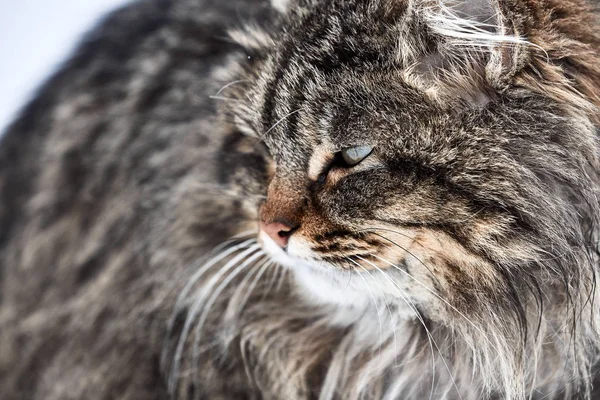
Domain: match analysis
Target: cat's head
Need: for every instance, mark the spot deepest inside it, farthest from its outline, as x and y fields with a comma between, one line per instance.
x=429, y=153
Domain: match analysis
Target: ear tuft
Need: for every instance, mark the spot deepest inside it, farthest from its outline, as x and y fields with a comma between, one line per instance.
x=473, y=23
x=477, y=29
x=475, y=51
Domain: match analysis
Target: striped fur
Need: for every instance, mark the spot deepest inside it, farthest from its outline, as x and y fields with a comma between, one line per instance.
x=457, y=261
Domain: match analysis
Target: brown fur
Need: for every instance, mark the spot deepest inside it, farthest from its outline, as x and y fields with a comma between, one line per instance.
x=458, y=260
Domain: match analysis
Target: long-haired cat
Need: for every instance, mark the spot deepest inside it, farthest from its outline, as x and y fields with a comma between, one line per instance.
x=313, y=199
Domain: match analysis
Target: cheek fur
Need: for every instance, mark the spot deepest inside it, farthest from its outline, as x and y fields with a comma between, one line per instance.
x=433, y=268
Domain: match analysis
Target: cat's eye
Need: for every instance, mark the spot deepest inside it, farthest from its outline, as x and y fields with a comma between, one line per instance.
x=354, y=155
x=344, y=159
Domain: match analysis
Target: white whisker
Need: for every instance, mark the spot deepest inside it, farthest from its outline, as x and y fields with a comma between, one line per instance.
x=423, y=285
x=211, y=300
x=281, y=120
x=432, y=341
x=192, y=313
x=437, y=296
x=245, y=289
x=196, y=276
x=229, y=85
x=277, y=270
x=281, y=280
x=374, y=302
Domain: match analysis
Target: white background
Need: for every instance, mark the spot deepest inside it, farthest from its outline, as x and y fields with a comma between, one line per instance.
x=35, y=36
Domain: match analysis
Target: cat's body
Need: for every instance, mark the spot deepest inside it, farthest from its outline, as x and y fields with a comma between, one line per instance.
x=141, y=155
x=105, y=165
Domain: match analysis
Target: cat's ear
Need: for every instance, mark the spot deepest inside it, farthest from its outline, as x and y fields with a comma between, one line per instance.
x=473, y=47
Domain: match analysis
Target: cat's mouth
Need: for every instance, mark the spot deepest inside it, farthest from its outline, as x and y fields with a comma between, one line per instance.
x=326, y=283
x=319, y=281
x=294, y=255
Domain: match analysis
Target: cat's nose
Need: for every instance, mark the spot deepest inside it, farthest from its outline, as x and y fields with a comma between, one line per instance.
x=278, y=231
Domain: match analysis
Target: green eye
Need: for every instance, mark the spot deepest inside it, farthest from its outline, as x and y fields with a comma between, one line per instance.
x=354, y=155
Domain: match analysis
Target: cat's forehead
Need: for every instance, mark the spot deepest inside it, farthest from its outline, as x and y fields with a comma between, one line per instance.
x=330, y=80
x=322, y=113
x=354, y=73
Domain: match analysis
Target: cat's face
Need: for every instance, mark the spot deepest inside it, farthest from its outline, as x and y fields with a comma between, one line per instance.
x=398, y=166
x=371, y=178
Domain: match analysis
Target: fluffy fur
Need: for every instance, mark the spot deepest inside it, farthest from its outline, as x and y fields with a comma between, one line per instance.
x=458, y=261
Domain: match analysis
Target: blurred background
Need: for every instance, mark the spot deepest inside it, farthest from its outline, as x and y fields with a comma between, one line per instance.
x=35, y=37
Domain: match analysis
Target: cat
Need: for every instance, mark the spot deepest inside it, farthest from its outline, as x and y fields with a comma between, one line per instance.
x=308, y=199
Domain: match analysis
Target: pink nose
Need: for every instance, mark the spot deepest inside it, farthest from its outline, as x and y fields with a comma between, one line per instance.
x=278, y=231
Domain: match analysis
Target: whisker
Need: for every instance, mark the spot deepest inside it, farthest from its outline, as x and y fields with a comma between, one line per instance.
x=197, y=304
x=387, y=305
x=265, y=266
x=437, y=296
x=281, y=280
x=211, y=300
x=230, y=84
x=208, y=264
x=347, y=283
x=272, y=279
x=477, y=328
x=374, y=302
x=281, y=120
x=423, y=285
x=196, y=276
x=431, y=340
x=232, y=310
x=235, y=306
x=406, y=250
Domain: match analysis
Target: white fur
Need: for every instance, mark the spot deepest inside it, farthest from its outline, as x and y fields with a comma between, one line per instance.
x=351, y=293
x=473, y=30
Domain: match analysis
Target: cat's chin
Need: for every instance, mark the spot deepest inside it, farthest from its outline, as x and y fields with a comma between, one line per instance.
x=320, y=283
x=317, y=282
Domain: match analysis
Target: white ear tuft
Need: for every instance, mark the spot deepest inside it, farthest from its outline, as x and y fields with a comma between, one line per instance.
x=476, y=32
x=280, y=5
x=472, y=23
x=477, y=51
